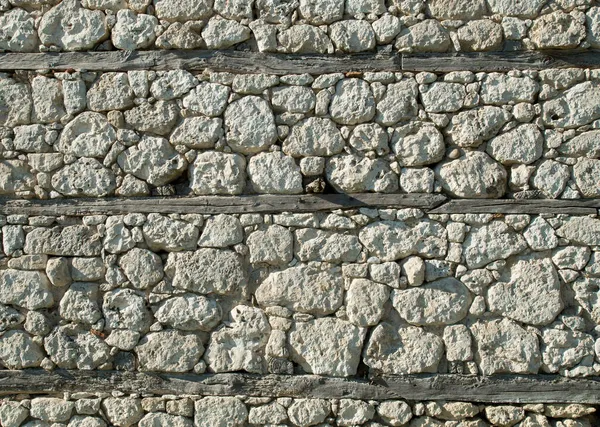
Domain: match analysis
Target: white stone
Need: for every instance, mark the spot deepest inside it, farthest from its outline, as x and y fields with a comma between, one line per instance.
x=221, y=231
x=354, y=412
x=159, y=117
x=398, y=103
x=126, y=309
x=88, y=135
x=442, y=97
x=364, y=302
x=329, y=246
x=197, y=132
x=593, y=26
x=273, y=246
x=240, y=345
x=18, y=31
x=403, y=350
x=15, y=102
x=558, y=30
x=51, y=409
x=207, y=270
x=309, y=412
x=500, y=89
x=209, y=99
x=480, y=36
x=354, y=174
x=218, y=173
x=28, y=289
x=110, y=92
x=540, y=235
x=216, y=411
x=183, y=10
x=122, y=412
x=573, y=257
x=31, y=139
x=586, y=172
x=386, y=28
x=491, y=242
x=528, y=9
x=502, y=346
x=304, y=39
x=310, y=346
x=271, y=413
x=142, y=267
x=234, y=9
x=551, y=177
x=575, y=107
x=19, y=351
x=163, y=233
x=319, y=12
x=250, y=125
x=352, y=36
x=586, y=144
x=504, y=415
x=352, y=103
x=304, y=288
x=69, y=26
x=223, y=33
x=368, y=137
x=471, y=128
x=293, y=99
x=418, y=144
x=169, y=351
x=521, y=145
x=189, y=312
x=456, y=9
x=564, y=349
x=441, y=302
x=155, y=419
x=133, y=31
x=274, y=173
x=581, y=229
x=527, y=291
x=314, y=136
x=48, y=104
x=86, y=177
x=79, y=304
x=72, y=346
x=457, y=340
x=73, y=240
x=426, y=36
x=13, y=413
x=473, y=175
x=9, y=317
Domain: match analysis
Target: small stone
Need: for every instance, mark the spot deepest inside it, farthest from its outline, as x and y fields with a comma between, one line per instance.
x=158, y=419
x=540, y=235
x=31, y=138
x=398, y=103
x=574, y=257
x=72, y=240
x=16, y=103
x=110, y=92
x=551, y=178
x=456, y=9
x=457, y=340
x=565, y=349
x=575, y=107
x=394, y=412
x=586, y=144
x=293, y=99
x=581, y=229
x=73, y=346
x=367, y=137
x=273, y=245
x=51, y=409
x=197, y=132
x=354, y=412
x=585, y=172
x=184, y=10
x=471, y=128
x=19, y=33
x=12, y=413
x=308, y=412
x=28, y=289
x=304, y=39
x=321, y=11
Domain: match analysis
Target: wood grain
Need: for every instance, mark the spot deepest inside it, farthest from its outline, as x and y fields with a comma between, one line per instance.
x=494, y=389
x=281, y=64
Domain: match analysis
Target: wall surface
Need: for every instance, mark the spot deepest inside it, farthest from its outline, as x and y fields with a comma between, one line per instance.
x=299, y=213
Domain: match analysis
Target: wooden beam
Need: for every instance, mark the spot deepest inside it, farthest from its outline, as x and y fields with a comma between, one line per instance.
x=218, y=204
x=431, y=203
x=281, y=64
x=494, y=389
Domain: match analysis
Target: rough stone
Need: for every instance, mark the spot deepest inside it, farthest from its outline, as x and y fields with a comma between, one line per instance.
x=480, y=36
x=79, y=304
x=540, y=235
x=73, y=240
x=314, y=136
x=122, y=412
x=575, y=107
x=456, y=9
x=158, y=118
x=551, y=177
x=304, y=39
x=352, y=36
x=224, y=33
x=394, y=412
x=51, y=409
x=499, y=89
x=218, y=173
x=216, y=411
x=491, y=242
x=72, y=346
x=504, y=416
x=442, y=97
x=134, y=31
x=586, y=144
x=368, y=137
x=528, y=9
x=173, y=84
x=182, y=10
x=197, y=132
x=321, y=12
x=309, y=412
x=143, y=268
x=110, y=92
x=249, y=125
x=163, y=233
x=87, y=177
x=189, y=312
x=418, y=144
x=310, y=346
x=426, y=36
x=19, y=351
x=581, y=229
x=31, y=139
x=221, y=231
x=15, y=176
x=471, y=128
x=558, y=30
x=349, y=173
x=88, y=135
x=522, y=145
x=293, y=99
x=9, y=317
x=169, y=351
x=328, y=246
x=126, y=309
x=564, y=349
x=352, y=102
x=209, y=99
x=18, y=31
x=273, y=246
x=398, y=103
x=474, y=175
x=274, y=173
x=574, y=257
x=48, y=104
x=28, y=289
x=585, y=172
x=364, y=302
x=13, y=413
x=15, y=102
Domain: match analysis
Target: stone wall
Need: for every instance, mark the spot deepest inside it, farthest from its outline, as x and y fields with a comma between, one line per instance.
x=522, y=134
x=299, y=26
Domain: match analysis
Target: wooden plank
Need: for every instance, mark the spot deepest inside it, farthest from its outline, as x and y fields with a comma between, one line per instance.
x=197, y=60
x=281, y=64
x=519, y=206
x=494, y=389
x=500, y=61
x=218, y=204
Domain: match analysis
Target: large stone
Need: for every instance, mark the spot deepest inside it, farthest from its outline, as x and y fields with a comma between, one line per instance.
x=51, y=409
x=586, y=144
x=126, y=309
x=365, y=302
x=480, y=36
x=110, y=92
x=216, y=411
x=304, y=39
x=173, y=84
x=143, y=268
x=573, y=257
x=85, y=177
x=224, y=33
x=525, y=9
x=558, y=30
x=593, y=26
x=442, y=97
x=48, y=100
x=491, y=242
x=540, y=235
x=352, y=36
x=159, y=117
x=392, y=240
x=500, y=89
x=250, y=125
x=305, y=288
x=79, y=303
x=309, y=412
x=563, y=350
x=456, y=9
x=183, y=10
x=197, y=132
x=349, y=173
x=502, y=346
x=581, y=229
x=474, y=175
x=164, y=233
x=403, y=350
x=133, y=32
x=471, y=128
x=426, y=36
x=218, y=173
x=329, y=246
x=398, y=103
x=18, y=31
x=293, y=99
x=352, y=102
x=273, y=245
x=72, y=346
x=586, y=172
x=13, y=413
x=418, y=144
x=221, y=231
x=274, y=173
x=155, y=419
x=88, y=135
x=15, y=176
x=576, y=107
x=442, y=302
x=314, y=136
x=522, y=145
x=169, y=351
x=122, y=411
x=310, y=346
x=240, y=345
x=189, y=312
x=154, y=160
x=15, y=103
x=319, y=12
x=72, y=240
x=528, y=291
x=551, y=177
x=27, y=289
x=69, y=26
x=207, y=271
x=19, y=351
x=209, y=99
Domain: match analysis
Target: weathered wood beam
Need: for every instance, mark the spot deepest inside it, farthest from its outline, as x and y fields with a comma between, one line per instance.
x=495, y=389
x=281, y=64
x=218, y=204
x=431, y=203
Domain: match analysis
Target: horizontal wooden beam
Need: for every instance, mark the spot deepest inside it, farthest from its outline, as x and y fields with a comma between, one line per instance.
x=431, y=203
x=494, y=389
x=281, y=64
